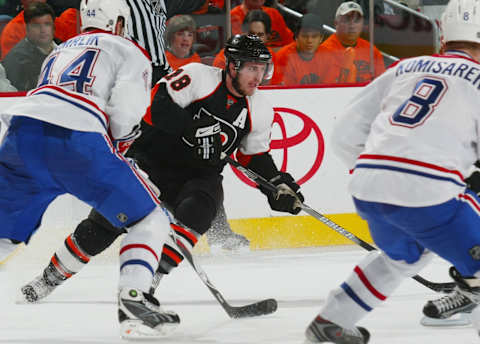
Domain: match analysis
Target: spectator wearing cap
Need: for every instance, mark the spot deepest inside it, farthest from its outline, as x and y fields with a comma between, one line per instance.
x=350, y=53
x=302, y=61
x=66, y=27
x=180, y=36
x=256, y=22
x=281, y=35
x=23, y=63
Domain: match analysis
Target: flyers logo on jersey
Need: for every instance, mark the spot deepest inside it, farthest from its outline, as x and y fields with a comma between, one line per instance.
x=228, y=134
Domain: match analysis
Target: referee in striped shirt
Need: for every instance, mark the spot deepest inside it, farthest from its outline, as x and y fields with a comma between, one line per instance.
x=148, y=25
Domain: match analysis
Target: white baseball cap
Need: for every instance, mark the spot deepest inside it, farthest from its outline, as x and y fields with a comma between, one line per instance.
x=348, y=7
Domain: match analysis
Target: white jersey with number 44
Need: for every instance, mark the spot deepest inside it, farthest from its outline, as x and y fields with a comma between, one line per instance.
x=412, y=135
x=96, y=82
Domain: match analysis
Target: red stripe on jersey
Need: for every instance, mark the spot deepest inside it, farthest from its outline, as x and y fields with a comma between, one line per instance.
x=409, y=161
x=172, y=254
x=142, y=246
x=75, y=96
x=470, y=200
x=76, y=250
x=367, y=284
x=182, y=230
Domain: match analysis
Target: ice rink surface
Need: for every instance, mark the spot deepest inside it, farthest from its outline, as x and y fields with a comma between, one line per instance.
x=83, y=310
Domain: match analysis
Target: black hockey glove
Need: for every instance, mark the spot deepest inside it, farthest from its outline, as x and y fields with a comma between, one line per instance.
x=287, y=199
x=203, y=135
x=473, y=182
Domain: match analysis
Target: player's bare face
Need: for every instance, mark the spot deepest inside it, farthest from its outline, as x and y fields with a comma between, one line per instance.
x=257, y=28
x=249, y=77
x=40, y=31
x=308, y=40
x=182, y=43
x=349, y=28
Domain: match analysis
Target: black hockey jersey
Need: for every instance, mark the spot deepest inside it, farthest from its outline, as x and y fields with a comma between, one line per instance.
x=245, y=122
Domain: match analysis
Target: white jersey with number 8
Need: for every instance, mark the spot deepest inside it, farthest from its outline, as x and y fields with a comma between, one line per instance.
x=412, y=135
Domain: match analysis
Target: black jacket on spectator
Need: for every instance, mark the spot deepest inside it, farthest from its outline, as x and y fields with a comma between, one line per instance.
x=23, y=64
x=61, y=5
x=10, y=7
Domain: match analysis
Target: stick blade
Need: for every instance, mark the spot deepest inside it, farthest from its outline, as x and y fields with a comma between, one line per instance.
x=263, y=307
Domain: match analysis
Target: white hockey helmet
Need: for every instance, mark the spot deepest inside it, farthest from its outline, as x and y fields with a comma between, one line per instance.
x=461, y=21
x=104, y=14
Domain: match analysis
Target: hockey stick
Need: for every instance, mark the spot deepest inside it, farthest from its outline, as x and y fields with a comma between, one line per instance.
x=438, y=287
x=263, y=307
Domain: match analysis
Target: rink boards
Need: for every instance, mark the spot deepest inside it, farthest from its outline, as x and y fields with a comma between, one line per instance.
x=304, y=119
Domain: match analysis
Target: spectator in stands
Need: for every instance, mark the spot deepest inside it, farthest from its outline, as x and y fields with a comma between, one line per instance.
x=280, y=33
x=5, y=85
x=301, y=62
x=23, y=63
x=180, y=36
x=66, y=27
x=346, y=45
x=256, y=22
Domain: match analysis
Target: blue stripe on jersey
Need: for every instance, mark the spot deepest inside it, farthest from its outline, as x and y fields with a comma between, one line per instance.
x=355, y=297
x=75, y=104
x=137, y=262
x=404, y=170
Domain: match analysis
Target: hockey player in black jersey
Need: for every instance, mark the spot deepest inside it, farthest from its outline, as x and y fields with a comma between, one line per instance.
x=197, y=113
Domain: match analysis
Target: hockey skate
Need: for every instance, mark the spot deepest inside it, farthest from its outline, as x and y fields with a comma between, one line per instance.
x=141, y=316
x=41, y=286
x=321, y=330
x=450, y=310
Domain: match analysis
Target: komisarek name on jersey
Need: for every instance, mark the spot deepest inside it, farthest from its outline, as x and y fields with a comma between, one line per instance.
x=467, y=71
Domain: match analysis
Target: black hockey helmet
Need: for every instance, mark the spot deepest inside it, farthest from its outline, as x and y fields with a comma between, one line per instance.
x=248, y=48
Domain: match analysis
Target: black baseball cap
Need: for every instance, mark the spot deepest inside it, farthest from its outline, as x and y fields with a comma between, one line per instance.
x=311, y=21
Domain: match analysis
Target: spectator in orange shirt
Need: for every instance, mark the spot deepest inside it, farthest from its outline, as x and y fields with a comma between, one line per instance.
x=257, y=23
x=302, y=61
x=281, y=34
x=15, y=30
x=179, y=36
x=349, y=52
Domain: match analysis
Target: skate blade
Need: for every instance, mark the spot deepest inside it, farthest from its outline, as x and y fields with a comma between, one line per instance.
x=135, y=330
x=459, y=319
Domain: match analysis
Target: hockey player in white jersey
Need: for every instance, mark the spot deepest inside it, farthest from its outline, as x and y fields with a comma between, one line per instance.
x=68, y=135
x=411, y=138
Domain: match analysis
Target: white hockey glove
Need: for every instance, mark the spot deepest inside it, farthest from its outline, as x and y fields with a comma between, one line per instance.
x=203, y=135
x=123, y=144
